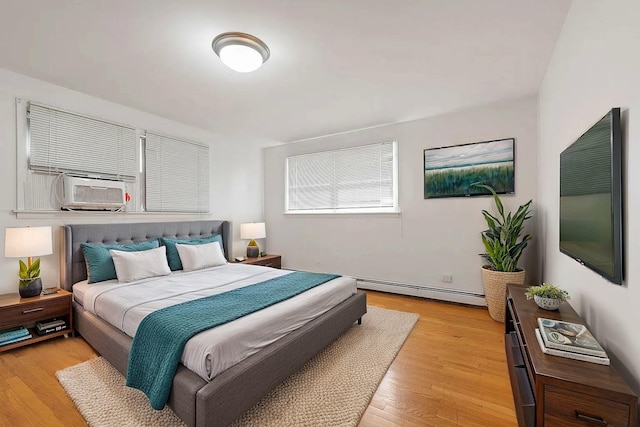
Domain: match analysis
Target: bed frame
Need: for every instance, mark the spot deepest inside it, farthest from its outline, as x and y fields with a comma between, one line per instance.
x=236, y=390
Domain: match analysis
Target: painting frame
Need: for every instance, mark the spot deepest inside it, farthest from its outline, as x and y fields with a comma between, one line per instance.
x=449, y=171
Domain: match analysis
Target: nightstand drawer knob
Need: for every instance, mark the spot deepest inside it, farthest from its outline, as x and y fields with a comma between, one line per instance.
x=33, y=310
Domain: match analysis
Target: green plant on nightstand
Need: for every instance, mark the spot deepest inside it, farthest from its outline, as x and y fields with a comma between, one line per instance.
x=29, y=274
x=547, y=296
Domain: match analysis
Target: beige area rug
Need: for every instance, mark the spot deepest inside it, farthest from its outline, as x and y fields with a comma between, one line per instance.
x=332, y=389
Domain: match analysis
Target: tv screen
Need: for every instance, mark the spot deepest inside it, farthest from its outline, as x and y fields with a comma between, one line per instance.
x=591, y=198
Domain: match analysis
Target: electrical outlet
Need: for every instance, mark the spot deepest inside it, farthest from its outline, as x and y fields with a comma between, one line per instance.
x=447, y=278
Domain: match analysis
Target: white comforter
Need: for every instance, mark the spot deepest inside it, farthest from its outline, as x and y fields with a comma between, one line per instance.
x=124, y=305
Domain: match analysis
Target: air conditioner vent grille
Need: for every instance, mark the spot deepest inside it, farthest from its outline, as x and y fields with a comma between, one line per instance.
x=87, y=193
x=99, y=195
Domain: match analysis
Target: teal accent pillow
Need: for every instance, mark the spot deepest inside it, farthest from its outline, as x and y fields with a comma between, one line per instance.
x=172, y=252
x=100, y=265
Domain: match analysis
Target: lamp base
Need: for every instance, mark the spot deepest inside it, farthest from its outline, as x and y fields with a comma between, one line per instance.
x=253, y=251
x=33, y=289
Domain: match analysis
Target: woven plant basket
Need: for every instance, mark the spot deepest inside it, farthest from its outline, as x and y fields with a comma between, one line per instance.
x=495, y=287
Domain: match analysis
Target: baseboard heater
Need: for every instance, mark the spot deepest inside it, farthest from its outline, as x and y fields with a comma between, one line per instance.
x=446, y=294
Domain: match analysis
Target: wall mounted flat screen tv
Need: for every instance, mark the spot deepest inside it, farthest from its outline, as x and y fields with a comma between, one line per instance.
x=591, y=198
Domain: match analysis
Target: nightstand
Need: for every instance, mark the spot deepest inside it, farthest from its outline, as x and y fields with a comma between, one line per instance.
x=274, y=261
x=16, y=311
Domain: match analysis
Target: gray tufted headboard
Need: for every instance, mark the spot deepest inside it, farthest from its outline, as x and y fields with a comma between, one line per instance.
x=73, y=267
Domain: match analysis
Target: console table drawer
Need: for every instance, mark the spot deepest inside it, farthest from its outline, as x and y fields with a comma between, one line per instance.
x=512, y=347
x=570, y=408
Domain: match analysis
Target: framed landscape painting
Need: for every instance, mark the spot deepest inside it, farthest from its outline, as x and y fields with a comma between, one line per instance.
x=450, y=171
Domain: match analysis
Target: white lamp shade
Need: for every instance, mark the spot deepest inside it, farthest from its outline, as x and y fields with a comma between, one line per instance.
x=27, y=242
x=253, y=230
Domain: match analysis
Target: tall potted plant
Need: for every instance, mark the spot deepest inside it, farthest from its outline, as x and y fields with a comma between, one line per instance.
x=503, y=245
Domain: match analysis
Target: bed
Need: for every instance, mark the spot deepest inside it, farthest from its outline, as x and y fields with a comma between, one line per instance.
x=235, y=390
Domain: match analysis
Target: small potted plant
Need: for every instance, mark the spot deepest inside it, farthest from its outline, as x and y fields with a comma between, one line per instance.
x=30, y=283
x=547, y=296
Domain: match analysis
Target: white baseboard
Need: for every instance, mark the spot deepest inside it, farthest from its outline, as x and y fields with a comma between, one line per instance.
x=443, y=294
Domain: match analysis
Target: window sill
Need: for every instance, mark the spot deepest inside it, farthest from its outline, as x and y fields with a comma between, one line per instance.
x=320, y=214
x=31, y=214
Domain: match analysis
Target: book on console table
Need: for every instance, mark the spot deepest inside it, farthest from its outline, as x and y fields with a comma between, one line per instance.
x=569, y=354
x=567, y=336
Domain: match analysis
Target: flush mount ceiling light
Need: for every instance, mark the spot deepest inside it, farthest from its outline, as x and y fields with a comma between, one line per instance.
x=240, y=52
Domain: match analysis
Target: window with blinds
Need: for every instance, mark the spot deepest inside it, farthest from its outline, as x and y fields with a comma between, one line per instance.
x=359, y=179
x=65, y=142
x=177, y=175
x=53, y=142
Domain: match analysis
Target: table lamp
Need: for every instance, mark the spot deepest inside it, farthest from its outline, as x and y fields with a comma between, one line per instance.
x=252, y=231
x=27, y=242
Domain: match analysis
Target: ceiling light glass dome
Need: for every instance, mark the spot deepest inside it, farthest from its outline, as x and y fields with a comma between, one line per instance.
x=240, y=52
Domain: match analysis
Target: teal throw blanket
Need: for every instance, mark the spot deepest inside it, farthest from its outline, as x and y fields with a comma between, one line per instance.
x=162, y=335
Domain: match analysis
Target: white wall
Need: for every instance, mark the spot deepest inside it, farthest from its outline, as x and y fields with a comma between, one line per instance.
x=430, y=237
x=235, y=170
x=595, y=67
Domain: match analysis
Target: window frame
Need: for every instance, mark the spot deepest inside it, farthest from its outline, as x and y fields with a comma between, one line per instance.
x=35, y=192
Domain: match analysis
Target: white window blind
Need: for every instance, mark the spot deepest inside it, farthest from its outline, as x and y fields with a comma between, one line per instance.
x=65, y=142
x=360, y=179
x=177, y=175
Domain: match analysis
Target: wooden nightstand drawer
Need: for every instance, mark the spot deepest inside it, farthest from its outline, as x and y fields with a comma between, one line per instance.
x=570, y=408
x=30, y=312
x=274, y=261
x=268, y=263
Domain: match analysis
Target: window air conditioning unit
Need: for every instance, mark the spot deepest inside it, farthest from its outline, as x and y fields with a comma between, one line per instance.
x=93, y=194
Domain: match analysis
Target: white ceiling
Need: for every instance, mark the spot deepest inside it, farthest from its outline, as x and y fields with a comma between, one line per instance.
x=335, y=65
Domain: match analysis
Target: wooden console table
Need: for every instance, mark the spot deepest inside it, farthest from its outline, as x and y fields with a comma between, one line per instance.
x=556, y=391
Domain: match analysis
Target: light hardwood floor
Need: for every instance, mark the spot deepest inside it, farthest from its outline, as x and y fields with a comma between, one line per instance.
x=451, y=371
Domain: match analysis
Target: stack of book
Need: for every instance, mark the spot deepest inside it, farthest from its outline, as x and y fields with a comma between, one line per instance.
x=570, y=340
x=49, y=326
x=12, y=336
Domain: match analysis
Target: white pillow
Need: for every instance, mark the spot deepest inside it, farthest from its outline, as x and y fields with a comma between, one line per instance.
x=196, y=257
x=138, y=265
